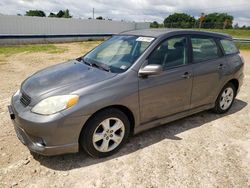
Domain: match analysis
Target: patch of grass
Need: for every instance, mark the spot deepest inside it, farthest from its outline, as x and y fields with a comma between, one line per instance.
x=243, y=45
x=49, y=48
x=92, y=43
x=236, y=33
x=86, y=46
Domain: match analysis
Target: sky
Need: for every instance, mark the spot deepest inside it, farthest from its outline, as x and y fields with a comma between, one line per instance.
x=132, y=10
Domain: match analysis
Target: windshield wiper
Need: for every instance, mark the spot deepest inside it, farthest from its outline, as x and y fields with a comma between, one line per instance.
x=95, y=64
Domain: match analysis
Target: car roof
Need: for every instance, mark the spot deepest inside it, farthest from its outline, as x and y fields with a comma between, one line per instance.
x=157, y=33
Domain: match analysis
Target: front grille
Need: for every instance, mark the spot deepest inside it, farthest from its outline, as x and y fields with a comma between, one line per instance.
x=25, y=99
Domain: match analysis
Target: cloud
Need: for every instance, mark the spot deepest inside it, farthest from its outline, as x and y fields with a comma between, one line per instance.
x=131, y=10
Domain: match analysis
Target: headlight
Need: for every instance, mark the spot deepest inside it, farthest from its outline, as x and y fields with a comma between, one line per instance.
x=17, y=92
x=55, y=104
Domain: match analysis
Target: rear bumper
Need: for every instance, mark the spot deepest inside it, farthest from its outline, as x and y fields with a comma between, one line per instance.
x=240, y=79
x=47, y=135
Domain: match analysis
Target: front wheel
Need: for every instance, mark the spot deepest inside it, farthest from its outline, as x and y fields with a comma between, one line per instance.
x=225, y=99
x=105, y=133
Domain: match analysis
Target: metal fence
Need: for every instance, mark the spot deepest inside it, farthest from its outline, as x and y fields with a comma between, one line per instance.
x=24, y=29
x=242, y=40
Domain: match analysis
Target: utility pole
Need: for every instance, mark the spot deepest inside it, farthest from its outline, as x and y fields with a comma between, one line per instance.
x=225, y=23
x=202, y=18
x=93, y=13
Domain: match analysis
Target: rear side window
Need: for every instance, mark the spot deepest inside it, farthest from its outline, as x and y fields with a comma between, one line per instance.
x=229, y=47
x=204, y=49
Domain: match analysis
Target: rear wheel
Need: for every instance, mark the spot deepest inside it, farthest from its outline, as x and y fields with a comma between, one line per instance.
x=105, y=133
x=225, y=99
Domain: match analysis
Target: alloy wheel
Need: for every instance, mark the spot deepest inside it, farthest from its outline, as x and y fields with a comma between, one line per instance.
x=108, y=135
x=226, y=98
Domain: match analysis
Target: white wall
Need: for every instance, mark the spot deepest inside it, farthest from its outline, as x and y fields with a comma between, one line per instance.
x=25, y=25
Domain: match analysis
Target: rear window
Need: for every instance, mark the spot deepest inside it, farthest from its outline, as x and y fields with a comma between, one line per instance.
x=229, y=47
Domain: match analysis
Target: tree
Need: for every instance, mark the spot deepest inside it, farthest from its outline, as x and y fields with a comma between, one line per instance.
x=179, y=20
x=66, y=14
x=52, y=15
x=100, y=18
x=61, y=14
x=218, y=21
x=38, y=13
x=236, y=26
x=155, y=24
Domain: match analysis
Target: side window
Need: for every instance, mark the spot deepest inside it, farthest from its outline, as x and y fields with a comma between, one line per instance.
x=170, y=53
x=204, y=49
x=229, y=47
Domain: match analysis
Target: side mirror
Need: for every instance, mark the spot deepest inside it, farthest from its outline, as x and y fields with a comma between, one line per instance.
x=152, y=69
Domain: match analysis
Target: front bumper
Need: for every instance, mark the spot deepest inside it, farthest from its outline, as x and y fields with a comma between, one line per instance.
x=39, y=146
x=47, y=135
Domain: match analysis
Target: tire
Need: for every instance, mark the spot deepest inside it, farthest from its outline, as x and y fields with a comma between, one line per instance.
x=101, y=136
x=225, y=98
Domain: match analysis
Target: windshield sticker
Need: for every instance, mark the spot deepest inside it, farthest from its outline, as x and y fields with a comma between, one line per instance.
x=145, y=39
x=123, y=67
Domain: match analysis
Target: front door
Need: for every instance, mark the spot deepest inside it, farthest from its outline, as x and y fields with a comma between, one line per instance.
x=170, y=92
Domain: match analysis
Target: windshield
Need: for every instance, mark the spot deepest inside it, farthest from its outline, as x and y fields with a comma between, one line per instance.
x=118, y=53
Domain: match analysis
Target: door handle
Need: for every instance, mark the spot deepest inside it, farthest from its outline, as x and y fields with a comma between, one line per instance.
x=186, y=75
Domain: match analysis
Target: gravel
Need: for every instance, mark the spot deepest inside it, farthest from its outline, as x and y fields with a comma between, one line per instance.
x=203, y=150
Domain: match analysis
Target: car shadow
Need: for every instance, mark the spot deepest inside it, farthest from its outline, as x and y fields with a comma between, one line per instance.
x=142, y=140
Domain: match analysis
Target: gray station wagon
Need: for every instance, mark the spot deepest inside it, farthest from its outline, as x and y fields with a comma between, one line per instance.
x=133, y=81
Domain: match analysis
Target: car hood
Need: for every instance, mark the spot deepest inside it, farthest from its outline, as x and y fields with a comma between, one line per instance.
x=67, y=76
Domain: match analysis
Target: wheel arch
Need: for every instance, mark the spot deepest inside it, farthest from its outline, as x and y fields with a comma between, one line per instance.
x=235, y=82
x=122, y=108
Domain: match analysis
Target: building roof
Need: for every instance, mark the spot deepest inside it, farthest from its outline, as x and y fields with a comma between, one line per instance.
x=161, y=32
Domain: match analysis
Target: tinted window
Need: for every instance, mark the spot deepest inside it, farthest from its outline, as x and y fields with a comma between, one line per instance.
x=170, y=53
x=229, y=47
x=204, y=49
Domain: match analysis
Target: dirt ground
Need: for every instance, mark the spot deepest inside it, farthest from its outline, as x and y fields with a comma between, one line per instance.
x=203, y=150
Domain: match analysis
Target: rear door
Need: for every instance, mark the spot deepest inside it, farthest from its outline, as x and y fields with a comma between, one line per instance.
x=208, y=67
